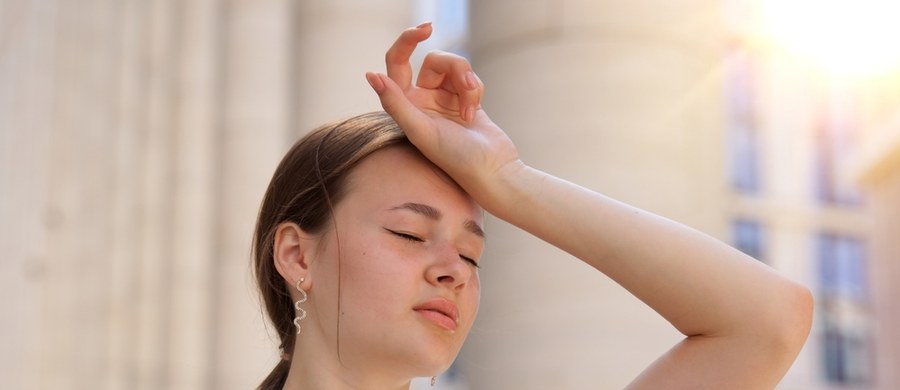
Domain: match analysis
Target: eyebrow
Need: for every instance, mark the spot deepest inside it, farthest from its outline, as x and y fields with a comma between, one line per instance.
x=435, y=214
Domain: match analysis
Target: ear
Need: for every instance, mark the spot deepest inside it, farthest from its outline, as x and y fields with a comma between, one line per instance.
x=292, y=253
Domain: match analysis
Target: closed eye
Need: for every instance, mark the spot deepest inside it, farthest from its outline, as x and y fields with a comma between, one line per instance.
x=412, y=238
x=470, y=261
x=405, y=236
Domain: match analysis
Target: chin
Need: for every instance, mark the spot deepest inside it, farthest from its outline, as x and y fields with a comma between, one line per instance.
x=435, y=360
x=427, y=370
x=427, y=353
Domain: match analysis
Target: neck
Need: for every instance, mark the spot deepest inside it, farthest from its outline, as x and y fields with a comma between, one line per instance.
x=304, y=376
x=314, y=367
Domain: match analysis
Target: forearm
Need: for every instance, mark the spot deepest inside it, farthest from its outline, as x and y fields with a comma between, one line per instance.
x=700, y=285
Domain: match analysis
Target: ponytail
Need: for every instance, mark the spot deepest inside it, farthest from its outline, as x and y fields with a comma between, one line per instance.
x=276, y=378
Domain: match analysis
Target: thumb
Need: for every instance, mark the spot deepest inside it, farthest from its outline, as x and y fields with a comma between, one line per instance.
x=410, y=118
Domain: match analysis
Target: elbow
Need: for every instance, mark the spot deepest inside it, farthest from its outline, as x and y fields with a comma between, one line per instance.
x=792, y=320
x=800, y=320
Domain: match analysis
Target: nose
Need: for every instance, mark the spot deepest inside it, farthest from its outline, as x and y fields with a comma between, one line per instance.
x=448, y=269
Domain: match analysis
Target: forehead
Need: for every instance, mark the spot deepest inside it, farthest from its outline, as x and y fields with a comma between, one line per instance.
x=400, y=174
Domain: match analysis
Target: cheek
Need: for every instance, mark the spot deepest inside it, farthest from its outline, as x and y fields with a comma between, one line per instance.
x=370, y=258
x=372, y=272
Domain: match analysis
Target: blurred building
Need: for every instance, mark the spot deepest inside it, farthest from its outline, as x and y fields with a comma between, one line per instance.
x=136, y=140
x=811, y=164
x=876, y=166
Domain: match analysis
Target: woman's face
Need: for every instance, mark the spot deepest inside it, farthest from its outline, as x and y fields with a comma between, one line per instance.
x=408, y=239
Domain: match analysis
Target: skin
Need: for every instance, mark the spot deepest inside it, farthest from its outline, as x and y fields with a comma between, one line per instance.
x=743, y=327
x=395, y=254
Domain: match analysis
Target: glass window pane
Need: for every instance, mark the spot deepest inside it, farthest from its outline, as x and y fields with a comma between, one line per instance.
x=836, y=137
x=847, y=348
x=747, y=236
x=743, y=137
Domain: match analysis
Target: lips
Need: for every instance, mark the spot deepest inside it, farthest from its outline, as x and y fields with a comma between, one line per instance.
x=440, y=312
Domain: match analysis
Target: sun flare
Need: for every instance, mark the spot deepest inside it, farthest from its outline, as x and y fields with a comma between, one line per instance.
x=846, y=38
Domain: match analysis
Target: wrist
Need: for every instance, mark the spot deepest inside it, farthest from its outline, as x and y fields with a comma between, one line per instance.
x=506, y=191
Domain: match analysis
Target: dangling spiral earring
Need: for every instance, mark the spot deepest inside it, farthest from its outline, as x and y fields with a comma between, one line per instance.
x=301, y=314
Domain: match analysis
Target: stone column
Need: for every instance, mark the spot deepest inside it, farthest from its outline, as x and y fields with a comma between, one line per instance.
x=623, y=98
x=155, y=215
x=336, y=43
x=195, y=258
x=879, y=170
x=885, y=273
x=75, y=284
x=127, y=289
x=255, y=120
x=27, y=54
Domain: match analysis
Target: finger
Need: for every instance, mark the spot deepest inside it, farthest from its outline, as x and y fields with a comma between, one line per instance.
x=413, y=121
x=397, y=57
x=452, y=73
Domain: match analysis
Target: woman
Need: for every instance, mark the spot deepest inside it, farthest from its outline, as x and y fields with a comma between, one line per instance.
x=370, y=233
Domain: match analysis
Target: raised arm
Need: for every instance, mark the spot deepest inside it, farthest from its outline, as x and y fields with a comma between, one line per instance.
x=744, y=324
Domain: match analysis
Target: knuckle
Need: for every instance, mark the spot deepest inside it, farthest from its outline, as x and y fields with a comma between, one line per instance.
x=431, y=57
x=394, y=56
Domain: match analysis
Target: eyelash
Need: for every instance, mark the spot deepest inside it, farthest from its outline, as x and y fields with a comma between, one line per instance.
x=412, y=238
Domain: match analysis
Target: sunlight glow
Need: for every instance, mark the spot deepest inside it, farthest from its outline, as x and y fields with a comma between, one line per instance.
x=858, y=38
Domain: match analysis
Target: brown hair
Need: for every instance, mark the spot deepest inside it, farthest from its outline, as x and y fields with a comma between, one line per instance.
x=308, y=182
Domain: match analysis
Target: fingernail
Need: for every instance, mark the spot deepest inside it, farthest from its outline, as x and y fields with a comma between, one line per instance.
x=470, y=80
x=472, y=110
x=423, y=25
x=375, y=81
x=464, y=113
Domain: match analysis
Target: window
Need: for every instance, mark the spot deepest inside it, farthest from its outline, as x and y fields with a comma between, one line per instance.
x=747, y=236
x=836, y=131
x=742, y=131
x=843, y=288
